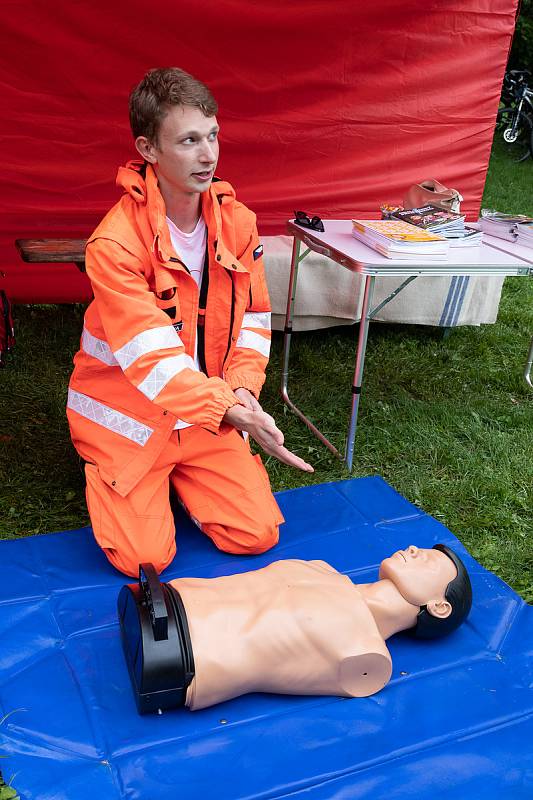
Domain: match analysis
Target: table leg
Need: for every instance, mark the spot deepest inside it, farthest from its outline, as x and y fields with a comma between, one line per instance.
x=359, y=367
x=529, y=365
x=288, y=323
x=367, y=313
x=295, y=261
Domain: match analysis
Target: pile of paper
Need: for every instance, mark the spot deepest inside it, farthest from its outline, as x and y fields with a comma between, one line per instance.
x=471, y=238
x=396, y=239
x=504, y=226
x=524, y=234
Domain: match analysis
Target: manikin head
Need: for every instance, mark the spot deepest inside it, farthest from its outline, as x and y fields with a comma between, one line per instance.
x=437, y=582
x=172, y=117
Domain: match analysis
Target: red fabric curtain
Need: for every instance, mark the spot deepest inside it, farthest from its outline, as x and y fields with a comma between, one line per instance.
x=328, y=107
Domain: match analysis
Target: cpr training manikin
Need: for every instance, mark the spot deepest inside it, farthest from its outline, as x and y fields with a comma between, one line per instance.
x=301, y=627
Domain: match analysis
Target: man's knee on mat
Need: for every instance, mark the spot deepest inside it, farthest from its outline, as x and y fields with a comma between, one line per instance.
x=128, y=561
x=241, y=542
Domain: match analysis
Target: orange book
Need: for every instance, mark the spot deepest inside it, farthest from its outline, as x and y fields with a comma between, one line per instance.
x=395, y=230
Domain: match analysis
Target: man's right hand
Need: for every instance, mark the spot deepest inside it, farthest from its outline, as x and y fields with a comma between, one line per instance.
x=264, y=431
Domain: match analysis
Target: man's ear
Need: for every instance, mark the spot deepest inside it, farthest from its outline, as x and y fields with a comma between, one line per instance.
x=146, y=149
x=439, y=608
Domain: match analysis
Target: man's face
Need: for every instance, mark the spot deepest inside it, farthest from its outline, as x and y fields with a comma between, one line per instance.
x=186, y=153
x=421, y=576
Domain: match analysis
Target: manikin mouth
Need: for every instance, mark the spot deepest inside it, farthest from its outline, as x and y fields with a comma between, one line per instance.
x=203, y=174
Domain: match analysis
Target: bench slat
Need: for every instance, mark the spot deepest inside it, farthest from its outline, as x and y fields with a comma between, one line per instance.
x=52, y=250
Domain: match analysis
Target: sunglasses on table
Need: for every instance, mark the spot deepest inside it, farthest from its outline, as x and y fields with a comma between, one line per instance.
x=314, y=223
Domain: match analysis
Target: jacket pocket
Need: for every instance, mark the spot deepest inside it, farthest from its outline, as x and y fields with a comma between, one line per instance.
x=98, y=502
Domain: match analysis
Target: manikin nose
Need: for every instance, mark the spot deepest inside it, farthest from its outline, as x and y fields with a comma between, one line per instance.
x=412, y=550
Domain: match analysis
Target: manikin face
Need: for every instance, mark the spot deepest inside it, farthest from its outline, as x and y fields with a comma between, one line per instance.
x=421, y=577
x=186, y=153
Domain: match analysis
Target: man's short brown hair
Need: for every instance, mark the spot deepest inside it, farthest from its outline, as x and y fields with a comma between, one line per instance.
x=158, y=91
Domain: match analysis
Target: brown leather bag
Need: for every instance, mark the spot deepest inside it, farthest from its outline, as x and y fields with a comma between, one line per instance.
x=431, y=192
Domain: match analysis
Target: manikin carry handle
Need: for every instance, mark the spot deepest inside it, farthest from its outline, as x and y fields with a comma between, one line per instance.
x=153, y=595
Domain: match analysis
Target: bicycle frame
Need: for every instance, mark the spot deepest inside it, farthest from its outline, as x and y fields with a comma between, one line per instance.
x=526, y=95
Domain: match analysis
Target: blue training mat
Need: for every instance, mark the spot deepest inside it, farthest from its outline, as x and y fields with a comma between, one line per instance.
x=454, y=722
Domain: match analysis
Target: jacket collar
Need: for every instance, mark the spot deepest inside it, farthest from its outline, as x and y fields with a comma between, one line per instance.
x=139, y=181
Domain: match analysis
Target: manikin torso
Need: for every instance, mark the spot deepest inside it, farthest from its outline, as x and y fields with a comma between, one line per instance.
x=293, y=627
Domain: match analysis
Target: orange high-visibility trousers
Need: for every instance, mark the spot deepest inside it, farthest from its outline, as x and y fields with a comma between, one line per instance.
x=223, y=487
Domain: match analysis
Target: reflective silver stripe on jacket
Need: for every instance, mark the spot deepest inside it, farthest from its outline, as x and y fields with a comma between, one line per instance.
x=254, y=341
x=160, y=338
x=163, y=372
x=108, y=418
x=256, y=319
x=97, y=348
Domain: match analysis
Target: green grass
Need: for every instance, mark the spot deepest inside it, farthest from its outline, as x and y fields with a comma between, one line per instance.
x=7, y=792
x=509, y=186
x=448, y=422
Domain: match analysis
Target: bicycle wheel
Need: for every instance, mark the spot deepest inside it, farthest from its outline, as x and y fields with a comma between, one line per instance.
x=519, y=143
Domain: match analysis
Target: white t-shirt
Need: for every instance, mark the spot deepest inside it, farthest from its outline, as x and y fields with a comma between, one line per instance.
x=191, y=249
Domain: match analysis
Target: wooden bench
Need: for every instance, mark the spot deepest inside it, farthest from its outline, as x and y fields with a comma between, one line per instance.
x=53, y=251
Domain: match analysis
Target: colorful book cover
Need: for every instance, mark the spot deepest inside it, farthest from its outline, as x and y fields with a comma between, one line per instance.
x=427, y=217
x=395, y=230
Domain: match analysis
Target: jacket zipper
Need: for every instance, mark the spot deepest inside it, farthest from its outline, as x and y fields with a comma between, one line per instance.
x=232, y=319
x=202, y=310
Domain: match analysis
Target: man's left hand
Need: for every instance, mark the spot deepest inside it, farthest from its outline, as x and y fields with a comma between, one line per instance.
x=271, y=446
x=247, y=399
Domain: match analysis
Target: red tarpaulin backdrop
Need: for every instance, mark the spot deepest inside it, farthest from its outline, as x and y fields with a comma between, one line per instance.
x=329, y=107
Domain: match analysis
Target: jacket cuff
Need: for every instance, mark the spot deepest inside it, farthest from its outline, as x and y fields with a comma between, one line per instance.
x=241, y=380
x=225, y=399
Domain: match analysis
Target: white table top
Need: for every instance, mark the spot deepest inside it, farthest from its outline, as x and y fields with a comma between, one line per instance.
x=337, y=243
x=517, y=250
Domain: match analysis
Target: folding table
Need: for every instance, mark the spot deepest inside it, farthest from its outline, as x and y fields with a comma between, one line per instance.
x=337, y=243
x=526, y=254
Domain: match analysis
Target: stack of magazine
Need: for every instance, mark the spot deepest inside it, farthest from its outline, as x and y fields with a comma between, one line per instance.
x=446, y=223
x=504, y=226
x=398, y=240
x=525, y=234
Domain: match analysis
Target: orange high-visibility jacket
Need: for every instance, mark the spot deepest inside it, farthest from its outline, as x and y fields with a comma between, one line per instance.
x=134, y=375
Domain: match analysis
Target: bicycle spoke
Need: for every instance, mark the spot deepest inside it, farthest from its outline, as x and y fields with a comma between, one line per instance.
x=515, y=132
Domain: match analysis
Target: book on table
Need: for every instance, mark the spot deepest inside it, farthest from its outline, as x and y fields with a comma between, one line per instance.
x=396, y=239
x=434, y=219
x=471, y=238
